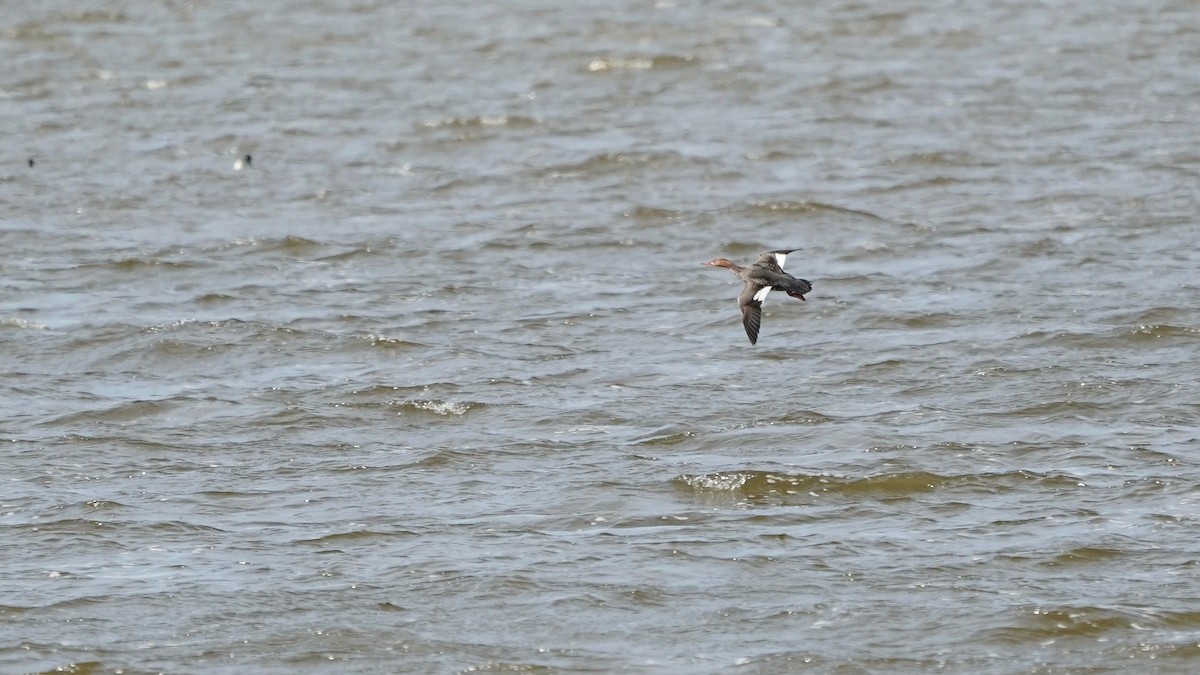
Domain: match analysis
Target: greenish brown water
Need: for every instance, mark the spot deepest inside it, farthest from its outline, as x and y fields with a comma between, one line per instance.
x=439, y=385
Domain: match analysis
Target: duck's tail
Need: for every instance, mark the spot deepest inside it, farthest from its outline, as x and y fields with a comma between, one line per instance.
x=799, y=288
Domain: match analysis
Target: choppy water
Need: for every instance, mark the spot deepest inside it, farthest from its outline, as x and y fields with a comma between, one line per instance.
x=439, y=385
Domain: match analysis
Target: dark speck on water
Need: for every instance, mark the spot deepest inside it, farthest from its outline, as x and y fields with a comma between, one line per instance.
x=444, y=389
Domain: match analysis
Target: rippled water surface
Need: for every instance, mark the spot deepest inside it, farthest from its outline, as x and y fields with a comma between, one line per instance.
x=437, y=383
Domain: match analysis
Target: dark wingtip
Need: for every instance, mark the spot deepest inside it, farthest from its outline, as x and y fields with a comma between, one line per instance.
x=752, y=333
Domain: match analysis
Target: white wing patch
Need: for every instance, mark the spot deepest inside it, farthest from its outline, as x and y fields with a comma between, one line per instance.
x=780, y=258
x=762, y=293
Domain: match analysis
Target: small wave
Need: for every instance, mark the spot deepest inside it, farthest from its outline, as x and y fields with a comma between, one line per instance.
x=91, y=16
x=219, y=324
x=1157, y=331
x=880, y=367
x=354, y=537
x=759, y=484
x=804, y=206
x=133, y=264
x=944, y=158
x=288, y=244
x=597, y=65
x=1086, y=554
x=213, y=298
x=77, y=527
x=439, y=407
x=388, y=342
x=1043, y=624
x=508, y=667
x=349, y=255
x=665, y=436
x=15, y=322
x=103, y=504
x=664, y=62
x=124, y=412
x=1151, y=316
x=441, y=458
x=1078, y=339
x=792, y=417
x=918, y=183
x=612, y=160
x=444, y=408
x=291, y=243
x=652, y=213
x=1051, y=408
x=716, y=481
x=480, y=121
x=410, y=392
x=758, y=22
x=918, y=320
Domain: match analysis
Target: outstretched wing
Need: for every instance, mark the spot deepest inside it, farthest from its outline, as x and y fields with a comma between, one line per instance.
x=768, y=271
x=775, y=259
x=750, y=302
x=752, y=320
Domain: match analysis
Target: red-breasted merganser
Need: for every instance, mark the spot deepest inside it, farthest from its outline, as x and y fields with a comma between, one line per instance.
x=764, y=276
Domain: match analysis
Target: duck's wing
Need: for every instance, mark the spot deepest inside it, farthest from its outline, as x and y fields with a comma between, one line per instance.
x=750, y=302
x=774, y=260
x=766, y=272
x=752, y=320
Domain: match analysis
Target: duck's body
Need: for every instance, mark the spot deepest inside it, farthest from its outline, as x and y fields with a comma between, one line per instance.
x=762, y=277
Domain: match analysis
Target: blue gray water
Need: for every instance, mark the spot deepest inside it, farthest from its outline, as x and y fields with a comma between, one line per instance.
x=438, y=384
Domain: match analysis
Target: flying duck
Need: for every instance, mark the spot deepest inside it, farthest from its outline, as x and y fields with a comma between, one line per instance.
x=764, y=276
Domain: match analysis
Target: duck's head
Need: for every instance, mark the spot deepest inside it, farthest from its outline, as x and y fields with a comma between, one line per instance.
x=720, y=262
